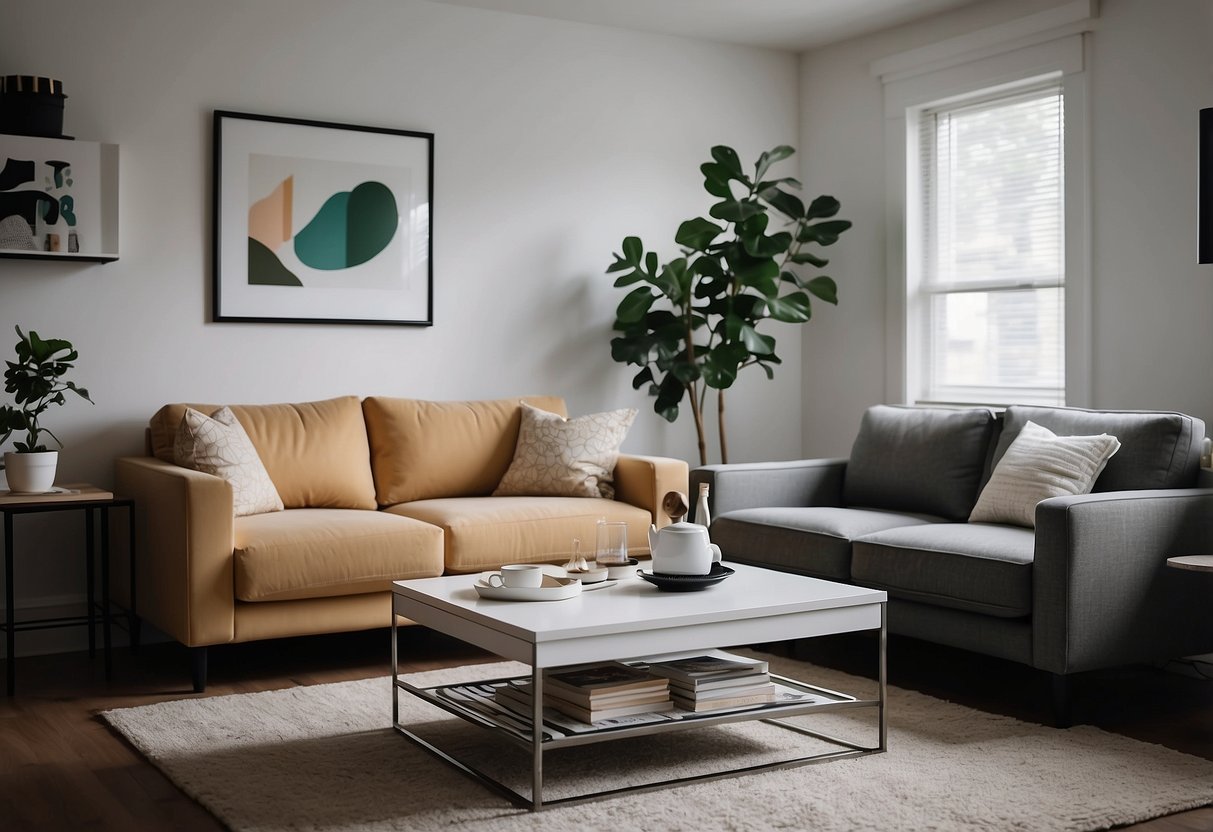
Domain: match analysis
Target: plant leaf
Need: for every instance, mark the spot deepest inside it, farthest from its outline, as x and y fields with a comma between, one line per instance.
x=727, y=158
x=824, y=288
x=803, y=257
x=822, y=206
x=824, y=233
x=634, y=305
x=769, y=158
x=716, y=180
x=642, y=378
x=733, y=210
x=795, y=308
x=633, y=249
x=697, y=234
x=784, y=202
x=756, y=342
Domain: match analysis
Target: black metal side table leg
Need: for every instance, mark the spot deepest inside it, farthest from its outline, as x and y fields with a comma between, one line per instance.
x=133, y=623
x=106, y=634
x=10, y=614
x=90, y=581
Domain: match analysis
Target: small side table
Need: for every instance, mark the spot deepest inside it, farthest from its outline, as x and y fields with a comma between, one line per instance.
x=1195, y=563
x=92, y=501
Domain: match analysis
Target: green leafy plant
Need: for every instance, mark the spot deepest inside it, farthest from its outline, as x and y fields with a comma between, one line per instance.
x=692, y=323
x=36, y=382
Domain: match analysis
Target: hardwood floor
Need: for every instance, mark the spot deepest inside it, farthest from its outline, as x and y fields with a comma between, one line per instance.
x=61, y=768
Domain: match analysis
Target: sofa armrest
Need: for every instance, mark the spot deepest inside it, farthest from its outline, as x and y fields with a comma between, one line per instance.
x=803, y=482
x=1102, y=593
x=643, y=480
x=183, y=537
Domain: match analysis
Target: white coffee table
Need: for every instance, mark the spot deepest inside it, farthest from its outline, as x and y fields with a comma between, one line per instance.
x=631, y=620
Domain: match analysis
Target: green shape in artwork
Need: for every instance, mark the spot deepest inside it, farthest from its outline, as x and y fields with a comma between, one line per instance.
x=265, y=269
x=350, y=228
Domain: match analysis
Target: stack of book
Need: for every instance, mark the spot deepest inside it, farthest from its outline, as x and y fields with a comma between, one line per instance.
x=592, y=693
x=716, y=682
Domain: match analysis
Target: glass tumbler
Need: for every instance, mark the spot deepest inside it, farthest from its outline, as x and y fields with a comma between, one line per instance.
x=612, y=543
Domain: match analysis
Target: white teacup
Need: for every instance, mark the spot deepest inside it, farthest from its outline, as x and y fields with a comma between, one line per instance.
x=518, y=576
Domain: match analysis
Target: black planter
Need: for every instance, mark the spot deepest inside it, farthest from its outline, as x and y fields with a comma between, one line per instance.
x=31, y=106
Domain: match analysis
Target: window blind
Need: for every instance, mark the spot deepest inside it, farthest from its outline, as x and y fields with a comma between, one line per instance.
x=992, y=271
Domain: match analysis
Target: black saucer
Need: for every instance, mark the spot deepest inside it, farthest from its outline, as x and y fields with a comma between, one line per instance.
x=685, y=583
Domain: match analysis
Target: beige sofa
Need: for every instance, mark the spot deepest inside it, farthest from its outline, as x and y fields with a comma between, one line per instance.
x=375, y=491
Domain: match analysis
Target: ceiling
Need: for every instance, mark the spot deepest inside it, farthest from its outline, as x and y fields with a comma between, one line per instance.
x=776, y=24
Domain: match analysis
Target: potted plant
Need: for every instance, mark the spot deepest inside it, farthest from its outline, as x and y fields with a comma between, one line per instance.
x=36, y=382
x=692, y=323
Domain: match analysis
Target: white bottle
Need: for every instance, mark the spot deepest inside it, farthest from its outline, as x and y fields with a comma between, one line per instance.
x=702, y=515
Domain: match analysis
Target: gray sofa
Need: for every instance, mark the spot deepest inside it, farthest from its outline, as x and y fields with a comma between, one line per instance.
x=1088, y=588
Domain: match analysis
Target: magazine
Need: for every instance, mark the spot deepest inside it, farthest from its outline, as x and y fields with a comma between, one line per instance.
x=705, y=667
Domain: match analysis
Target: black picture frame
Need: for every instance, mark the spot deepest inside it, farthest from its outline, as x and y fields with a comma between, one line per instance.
x=1204, y=208
x=319, y=222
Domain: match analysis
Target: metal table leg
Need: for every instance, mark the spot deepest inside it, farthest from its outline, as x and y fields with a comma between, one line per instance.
x=10, y=614
x=91, y=581
x=536, y=736
x=106, y=635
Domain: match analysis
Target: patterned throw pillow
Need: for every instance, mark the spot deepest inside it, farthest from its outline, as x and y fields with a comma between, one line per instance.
x=218, y=445
x=558, y=457
x=1038, y=465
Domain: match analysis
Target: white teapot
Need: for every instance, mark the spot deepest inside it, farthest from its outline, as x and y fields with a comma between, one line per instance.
x=682, y=549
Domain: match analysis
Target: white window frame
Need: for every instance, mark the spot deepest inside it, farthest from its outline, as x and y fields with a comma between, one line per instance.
x=1050, y=45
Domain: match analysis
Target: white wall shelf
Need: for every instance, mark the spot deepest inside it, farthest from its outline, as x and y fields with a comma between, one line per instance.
x=58, y=199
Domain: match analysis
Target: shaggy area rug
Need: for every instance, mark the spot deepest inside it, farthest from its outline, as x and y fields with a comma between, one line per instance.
x=326, y=757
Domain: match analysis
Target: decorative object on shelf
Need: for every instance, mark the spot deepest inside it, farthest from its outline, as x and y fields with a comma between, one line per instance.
x=36, y=382
x=58, y=199
x=321, y=222
x=681, y=548
x=31, y=105
x=693, y=322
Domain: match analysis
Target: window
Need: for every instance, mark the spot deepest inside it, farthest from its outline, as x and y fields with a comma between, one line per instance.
x=987, y=268
x=988, y=237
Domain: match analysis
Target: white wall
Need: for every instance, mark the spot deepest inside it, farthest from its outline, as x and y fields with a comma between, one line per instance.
x=1150, y=71
x=554, y=140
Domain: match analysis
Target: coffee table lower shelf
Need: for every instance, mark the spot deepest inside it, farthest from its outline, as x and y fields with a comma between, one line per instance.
x=516, y=728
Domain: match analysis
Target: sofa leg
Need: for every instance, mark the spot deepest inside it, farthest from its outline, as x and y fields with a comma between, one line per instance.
x=198, y=666
x=1063, y=701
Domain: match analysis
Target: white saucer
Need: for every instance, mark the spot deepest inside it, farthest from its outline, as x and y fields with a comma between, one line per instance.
x=552, y=589
x=592, y=575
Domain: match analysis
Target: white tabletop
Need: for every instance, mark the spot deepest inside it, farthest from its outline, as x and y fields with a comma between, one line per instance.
x=1196, y=563
x=632, y=608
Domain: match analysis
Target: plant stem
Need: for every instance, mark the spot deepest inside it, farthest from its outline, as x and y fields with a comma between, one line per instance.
x=724, y=442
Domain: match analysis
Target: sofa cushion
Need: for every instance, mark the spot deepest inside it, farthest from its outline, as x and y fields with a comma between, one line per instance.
x=316, y=452
x=484, y=532
x=318, y=553
x=920, y=460
x=977, y=567
x=218, y=445
x=428, y=450
x=810, y=540
x=1157, y=449
x=559, y=457
x=1039, y=465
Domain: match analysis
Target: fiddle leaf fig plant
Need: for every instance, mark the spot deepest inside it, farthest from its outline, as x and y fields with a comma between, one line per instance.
x=36, y=382
x=692, y=323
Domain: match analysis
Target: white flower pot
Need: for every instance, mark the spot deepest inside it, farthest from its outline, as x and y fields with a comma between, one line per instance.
x=31, y=472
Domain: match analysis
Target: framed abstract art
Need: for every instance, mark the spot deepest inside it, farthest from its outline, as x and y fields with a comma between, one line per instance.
x=318, y=222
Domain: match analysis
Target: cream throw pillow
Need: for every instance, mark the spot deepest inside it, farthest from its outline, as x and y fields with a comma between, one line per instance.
x=218, y=445
x=1038, y=465
x=558, y=457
